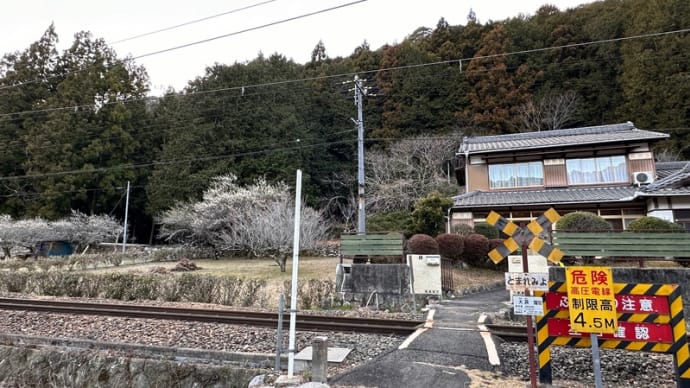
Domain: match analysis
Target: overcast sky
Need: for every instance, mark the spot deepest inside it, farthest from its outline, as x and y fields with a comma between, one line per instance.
x=342, y=29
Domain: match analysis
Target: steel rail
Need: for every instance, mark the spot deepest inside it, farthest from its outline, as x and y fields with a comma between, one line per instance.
x=513, y=333
x=250, y=318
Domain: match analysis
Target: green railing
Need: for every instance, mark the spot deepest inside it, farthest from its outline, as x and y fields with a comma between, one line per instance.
x=360, y=245
x=623, y=244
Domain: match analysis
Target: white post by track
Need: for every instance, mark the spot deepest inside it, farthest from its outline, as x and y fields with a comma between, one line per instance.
x=295, y=261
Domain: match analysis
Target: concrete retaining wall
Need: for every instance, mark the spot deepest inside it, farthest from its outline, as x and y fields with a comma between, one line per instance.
x=50, y=367
x=374, y=284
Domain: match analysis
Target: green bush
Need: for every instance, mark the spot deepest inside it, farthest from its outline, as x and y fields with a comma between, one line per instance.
x=450, y=245
x=476, y=250
x=225, y=290
x=13, y=281
x=658, y=225
x=195, y=288
x=429, y=215
x=582, y=222
x=315, y=294
x=487, y=230
x=463, y=230
x=422, y=244
x=399, y=221
x=654, y=224
x=250, y=294
x=117, y=286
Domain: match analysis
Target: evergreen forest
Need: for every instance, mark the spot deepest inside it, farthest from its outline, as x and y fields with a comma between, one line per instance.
x=77, y=125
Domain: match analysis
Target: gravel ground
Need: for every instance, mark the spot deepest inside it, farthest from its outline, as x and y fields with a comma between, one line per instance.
x=197, y=335
x=571, y=367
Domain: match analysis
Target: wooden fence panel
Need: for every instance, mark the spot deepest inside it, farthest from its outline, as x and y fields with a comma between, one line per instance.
x=623, y=244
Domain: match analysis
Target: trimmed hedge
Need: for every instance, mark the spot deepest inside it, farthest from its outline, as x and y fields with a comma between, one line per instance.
x=422, y=244
x=487, y=230
x=450, y=246
x=185, y=287
x=476, y=250
x=463, y=230
x=654, y=224
x=582, y=222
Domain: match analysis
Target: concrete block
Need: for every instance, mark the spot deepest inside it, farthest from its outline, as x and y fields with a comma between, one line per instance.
x=303, y=358
x=285, y=381
x=319, y=360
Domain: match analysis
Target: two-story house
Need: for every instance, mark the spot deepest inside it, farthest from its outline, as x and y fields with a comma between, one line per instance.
x=608, y=170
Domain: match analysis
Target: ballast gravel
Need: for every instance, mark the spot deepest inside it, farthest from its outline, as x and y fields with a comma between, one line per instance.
x=619, y=368
x=196, y=335
x=570, y=367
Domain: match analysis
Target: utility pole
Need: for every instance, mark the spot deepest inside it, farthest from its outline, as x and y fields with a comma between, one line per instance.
x=359, y=93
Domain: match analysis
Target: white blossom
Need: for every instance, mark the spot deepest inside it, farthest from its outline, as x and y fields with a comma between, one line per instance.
x=257, y=219
x=79, y=229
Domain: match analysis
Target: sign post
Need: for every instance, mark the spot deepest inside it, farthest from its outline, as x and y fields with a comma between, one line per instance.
x=525, y=237
x=592, y=307
x=530, y=328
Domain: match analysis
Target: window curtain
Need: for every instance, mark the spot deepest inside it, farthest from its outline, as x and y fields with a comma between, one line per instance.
x=516, y=175
x=608, y=169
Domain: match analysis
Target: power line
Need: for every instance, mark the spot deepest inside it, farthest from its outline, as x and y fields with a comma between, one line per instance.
x=248, y=29
x=201, y=41
x=173, y=161
x=210, y=156
x=350, y=74
x=389, y=69
x=8, y=144
x=178, y=161
x=191, y=22
x=90, y=132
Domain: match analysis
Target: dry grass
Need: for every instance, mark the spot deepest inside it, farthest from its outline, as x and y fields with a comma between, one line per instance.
x=472, y=277
x=264, y=269
x=321, y=268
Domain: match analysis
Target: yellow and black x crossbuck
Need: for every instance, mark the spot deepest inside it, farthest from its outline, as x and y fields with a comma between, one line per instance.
x=524, y=236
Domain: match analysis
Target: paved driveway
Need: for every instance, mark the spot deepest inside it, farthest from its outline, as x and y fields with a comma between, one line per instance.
x=431, y=358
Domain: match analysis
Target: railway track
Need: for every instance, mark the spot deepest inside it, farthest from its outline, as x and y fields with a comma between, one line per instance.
x=510, y=333
x=249, y=318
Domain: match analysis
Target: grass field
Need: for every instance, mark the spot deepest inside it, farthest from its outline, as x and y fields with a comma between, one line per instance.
x=266, y=269
x=321, y=268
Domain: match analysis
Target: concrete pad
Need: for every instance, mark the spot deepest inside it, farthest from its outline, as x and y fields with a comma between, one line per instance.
x=285, y=381
x=334, y=354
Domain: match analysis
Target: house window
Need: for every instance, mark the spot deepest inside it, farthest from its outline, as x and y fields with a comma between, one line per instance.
x=516, y=175
x=607, y=169
x=682, y=217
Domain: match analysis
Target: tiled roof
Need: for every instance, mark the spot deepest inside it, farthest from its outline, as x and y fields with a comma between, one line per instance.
x=477, y=199
x=677, y=182
x=665, y=169
x=558, y=138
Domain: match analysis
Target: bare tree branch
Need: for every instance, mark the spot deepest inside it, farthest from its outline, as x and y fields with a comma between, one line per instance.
x=408, y=170
x=553, y=111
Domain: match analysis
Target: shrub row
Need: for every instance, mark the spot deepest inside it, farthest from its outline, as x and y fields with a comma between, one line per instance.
x=102, y=259
x=185, y=287
x=471, y=249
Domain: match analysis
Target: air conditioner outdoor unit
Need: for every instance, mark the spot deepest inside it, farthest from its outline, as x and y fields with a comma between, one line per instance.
x=643, y=177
